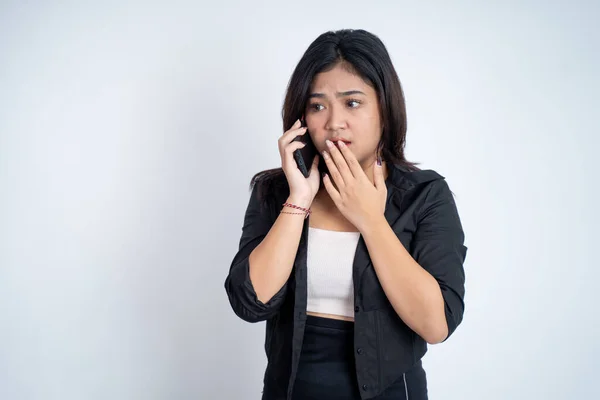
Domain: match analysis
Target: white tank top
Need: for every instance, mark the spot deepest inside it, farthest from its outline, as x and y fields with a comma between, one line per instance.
x=330, y=256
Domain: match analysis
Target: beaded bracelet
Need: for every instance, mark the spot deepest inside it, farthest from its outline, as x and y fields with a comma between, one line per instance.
x=288, y=212
x=306, y=210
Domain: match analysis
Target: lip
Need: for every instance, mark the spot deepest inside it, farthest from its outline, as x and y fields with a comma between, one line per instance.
x=336, y=139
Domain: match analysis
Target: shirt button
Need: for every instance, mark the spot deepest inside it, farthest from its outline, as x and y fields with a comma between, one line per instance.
x=359, y=350
x=356, y=309
x=365, y=387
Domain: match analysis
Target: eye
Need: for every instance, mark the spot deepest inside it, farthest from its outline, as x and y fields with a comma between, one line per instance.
x=353, y=103
x=316, y=106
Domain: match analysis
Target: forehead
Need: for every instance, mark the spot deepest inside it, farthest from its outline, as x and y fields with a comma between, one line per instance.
x=339, y=79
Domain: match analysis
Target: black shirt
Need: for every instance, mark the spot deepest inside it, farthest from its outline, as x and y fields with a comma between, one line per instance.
x=421, y=210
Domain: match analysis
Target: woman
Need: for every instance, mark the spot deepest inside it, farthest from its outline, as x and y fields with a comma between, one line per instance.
x=357, y=269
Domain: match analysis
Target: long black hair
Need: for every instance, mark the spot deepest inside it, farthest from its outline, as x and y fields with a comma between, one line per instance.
x=362, y=53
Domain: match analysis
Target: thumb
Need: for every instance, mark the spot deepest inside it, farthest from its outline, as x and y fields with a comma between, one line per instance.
x=315, y=165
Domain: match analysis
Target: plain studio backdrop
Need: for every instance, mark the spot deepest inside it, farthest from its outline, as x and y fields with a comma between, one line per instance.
x=129, y=134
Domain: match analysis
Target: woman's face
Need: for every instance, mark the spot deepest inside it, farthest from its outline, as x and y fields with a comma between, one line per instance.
x=342, y=106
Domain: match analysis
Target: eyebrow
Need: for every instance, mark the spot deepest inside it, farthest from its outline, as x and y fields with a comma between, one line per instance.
x=338, y=94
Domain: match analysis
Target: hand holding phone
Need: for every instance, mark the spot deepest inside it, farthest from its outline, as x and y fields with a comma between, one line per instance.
x=304, y=157
x=303, y=188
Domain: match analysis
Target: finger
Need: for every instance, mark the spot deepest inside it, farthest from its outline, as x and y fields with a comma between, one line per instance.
x=290, y=148
x=290, y=135
x=340, y=162
x=296, y=125
x=333, y=171
x=333, y=193
x=351, y=160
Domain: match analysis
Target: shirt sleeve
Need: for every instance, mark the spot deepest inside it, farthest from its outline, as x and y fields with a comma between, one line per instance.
x=438, y=247
x=241, y=293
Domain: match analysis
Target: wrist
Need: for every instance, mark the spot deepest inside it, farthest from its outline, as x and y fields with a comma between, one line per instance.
x=300, y=201
x=374, y=225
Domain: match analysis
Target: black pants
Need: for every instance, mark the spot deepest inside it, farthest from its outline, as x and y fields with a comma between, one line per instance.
x=326, y=370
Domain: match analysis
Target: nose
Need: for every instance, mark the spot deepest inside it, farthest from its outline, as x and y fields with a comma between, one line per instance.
x=336, y=120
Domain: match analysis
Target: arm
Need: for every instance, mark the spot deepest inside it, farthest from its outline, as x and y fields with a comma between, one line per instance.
x=426, y=288
x=256, y=284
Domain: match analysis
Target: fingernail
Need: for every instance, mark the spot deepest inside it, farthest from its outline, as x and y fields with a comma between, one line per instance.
x=379, y=161
x=341, y=143
x=329, y=143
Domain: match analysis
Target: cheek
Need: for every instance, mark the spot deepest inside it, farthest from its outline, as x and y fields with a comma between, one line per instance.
x=319, y=141
x=369, y=138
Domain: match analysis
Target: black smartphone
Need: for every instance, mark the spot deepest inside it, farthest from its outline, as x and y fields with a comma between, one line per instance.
x=304, y=157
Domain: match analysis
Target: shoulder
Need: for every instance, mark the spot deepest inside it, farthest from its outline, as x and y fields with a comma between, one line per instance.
x=424, y=187
x=407, y=178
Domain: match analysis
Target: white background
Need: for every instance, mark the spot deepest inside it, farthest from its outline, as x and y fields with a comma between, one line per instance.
x=129, y=132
